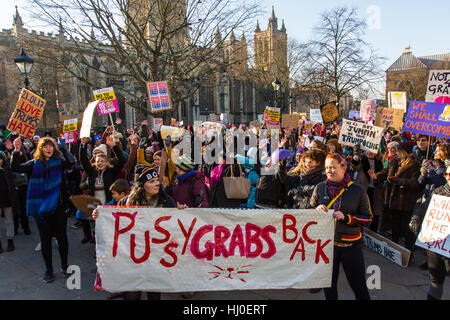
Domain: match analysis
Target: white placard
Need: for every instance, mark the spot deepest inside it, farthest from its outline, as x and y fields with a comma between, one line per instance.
x=397, y=100
x=85, y=131
x=438, y=85
x=357, y=133
x=171, y=250
x=315, y=115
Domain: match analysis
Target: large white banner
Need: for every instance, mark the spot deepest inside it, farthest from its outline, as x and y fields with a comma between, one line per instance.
x=171, y=250
x=368, y=137
x=435, y=231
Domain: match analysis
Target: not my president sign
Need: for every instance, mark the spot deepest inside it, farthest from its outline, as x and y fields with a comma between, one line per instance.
x=357, y=133
x=208, y=249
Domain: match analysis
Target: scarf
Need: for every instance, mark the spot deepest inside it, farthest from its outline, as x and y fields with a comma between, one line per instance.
x=44, y=188
x=335, y=187
x=216, y=173
x=186, y=176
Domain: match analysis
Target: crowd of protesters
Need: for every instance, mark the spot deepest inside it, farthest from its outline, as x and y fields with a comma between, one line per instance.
x=387, y=192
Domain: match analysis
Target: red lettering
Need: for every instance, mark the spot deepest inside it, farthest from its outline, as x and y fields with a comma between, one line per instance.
x=167, y=249
x=320, y=253
x=253, y=239
x=118, y=231
x=219, y=241
x=302, y=250
x=237, y=239
x=195, y=244
x=133, y=246
x=266, y=236
x=305, y=235
x=161, y=230
x=289, y=227
x=187, y=234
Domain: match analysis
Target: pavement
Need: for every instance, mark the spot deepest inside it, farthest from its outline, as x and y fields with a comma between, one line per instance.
x=22, y=270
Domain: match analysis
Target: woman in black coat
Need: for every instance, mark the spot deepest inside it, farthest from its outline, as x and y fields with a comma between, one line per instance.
x=8, y=199
x=351, y=209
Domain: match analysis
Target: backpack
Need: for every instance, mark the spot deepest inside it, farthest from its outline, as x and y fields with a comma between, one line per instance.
x=197, y=199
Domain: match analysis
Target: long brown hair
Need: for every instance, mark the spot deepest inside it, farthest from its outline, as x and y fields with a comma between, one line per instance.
x=38, y=155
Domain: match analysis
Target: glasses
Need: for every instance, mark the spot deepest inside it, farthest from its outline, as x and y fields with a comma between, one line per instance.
x=446, y=174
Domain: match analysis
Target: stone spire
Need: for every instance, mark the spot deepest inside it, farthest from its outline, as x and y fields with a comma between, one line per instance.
x=232, y=37
x=217, y=36
x=283, y=28
x=17, y=20
x=243, y=39
x=273, y=21
x=258, y=29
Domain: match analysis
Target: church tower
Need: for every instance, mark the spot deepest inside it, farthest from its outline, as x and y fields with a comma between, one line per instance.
x=271, y=46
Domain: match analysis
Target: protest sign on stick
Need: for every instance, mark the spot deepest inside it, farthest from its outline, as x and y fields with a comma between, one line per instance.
x=27, y=114
x=435, y=232
x=428, y=118
x=86, y=204
x=290, y=120
x=354, y=114
x=315, y=115
x=438, y=87
x=330, y=112
x=67, y=111
x=273, y=118
x=159, y=96
x=397, y=100
x=367, y=109
x=389, y=118
x=208, y=249
x=107, y=101
x=368, y=137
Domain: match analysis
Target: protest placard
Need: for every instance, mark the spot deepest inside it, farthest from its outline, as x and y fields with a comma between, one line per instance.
x=107, y=101
x=428, y=118
x=290, y=120
x=85, y=203
x=354, y=114
x=85, y=131
x=367, y=109
x=173, y=122
x=397, y=100
x=260, y=118
x=255, y=124
x=438, y=85
x=435, y=231
x=385, y=247
x=173, y=132
x=330, y=112
x=157, y=123
x=70, y=137
x=368, y=137
x=315, y=115
x=206, y=249
x=159, y=96
x=27, y=114
x=70, y=125
x=389, y=118
x=67, y=111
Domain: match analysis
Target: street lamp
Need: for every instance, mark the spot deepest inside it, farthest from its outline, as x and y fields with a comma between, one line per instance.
x=24, y=63
x=276, y=86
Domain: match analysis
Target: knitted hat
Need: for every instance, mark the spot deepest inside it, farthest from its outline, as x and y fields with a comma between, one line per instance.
x=100, y=149
x=393, y=144
x=147, y=174
x=185, y=163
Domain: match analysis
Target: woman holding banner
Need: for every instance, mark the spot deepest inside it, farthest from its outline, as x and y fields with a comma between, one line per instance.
x=438, y=265
x=351, y=211
x=46, y=197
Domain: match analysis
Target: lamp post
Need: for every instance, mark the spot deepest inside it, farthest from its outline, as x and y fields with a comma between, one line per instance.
x=276, y=86
x=24, y=63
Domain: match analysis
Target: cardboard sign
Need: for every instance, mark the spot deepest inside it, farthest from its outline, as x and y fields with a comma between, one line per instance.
x=431, y=119
x=389, y=118
x=70, y=137
x=67, y=111
x=255, y=124
x=315, y=115
x=85, y=204
x=159, y=96
x=357, y=133
x=206, y=249
x=367, y=109
x=290, y=120
x=330, y=112
x=85, y=131
x=438, y=85
x=354, y=114
x=70, y=125
x=435, y=232
x=27, y=114
x=397, y=100
x=107, y=101
x=385, y=247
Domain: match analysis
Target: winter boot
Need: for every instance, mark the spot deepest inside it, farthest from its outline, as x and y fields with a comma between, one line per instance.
x=10, y=245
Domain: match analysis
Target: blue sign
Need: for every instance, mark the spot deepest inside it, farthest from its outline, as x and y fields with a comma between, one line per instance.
x=429, y=118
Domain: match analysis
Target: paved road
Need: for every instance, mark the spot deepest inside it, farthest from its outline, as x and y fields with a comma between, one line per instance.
x=22, y=270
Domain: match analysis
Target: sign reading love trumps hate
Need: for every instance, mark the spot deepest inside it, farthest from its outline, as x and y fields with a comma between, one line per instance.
x=171, y=250
x=435, y=232
x=27, y=114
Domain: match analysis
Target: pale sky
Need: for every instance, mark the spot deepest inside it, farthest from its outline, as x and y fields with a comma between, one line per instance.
x=393, y=24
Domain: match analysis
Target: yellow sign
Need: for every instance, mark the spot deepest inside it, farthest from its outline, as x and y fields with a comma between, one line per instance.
x=70, y=125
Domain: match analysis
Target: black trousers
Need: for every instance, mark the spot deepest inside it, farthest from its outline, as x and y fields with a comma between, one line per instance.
x=375, y=219
x=136, y=295
x=352, y=260
x=400, y=222
x=438, y=267
x=55, y=226
x=20, y=209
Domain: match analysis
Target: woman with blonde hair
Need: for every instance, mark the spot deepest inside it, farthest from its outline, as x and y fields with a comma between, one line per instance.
x=46, y=196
